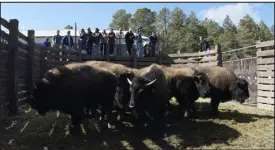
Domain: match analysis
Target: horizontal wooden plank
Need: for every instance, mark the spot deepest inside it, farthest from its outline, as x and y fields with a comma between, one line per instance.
x=266, y=67
x=265, y=100
x=64, y=57
x=22, y=45
x=147, y=59
x=265, y=44
x=265, y=74
x=184, y=61
x=127, y=63
x=265, y=80
x=207, y=59
x=265, y=87
x=265, y=53
x=22, y=53
x=265, y=106
x=56, y=50
x=193, y=54
x=56, y=62
x=22, y=36
x=266, y=93
x=183, y=65
x=4, y=46
x=4, y=35
x=265, y=61
x=5, y=23
x=120, y=58
x=214, y=63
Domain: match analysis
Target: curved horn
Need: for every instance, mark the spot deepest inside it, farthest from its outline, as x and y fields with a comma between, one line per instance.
x=129, y=81
x=150, y=83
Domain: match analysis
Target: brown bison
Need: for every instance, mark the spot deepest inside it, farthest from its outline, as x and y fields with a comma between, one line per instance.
x=224, y=86
x=186, y=85
x=122, y=72
x=149, y=92
x=72, y=87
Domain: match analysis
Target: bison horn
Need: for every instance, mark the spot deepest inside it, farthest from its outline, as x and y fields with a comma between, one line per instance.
x=129, y=81
x=150, y=83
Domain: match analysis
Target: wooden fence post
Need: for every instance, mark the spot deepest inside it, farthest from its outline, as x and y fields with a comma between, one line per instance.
x=12, y=54
x=219, y=52
x=134, y=56
x=107, y=48
x=30, y=62
x=42, y=61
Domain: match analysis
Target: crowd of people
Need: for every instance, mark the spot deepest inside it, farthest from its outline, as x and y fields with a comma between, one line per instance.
x=98, y=43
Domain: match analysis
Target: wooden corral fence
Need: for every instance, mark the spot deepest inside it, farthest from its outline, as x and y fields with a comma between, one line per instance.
x=265, y=73
x=23, y=62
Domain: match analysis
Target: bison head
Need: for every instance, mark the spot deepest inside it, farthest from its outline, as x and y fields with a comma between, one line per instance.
x=202, y=83
x=39, y=96
x=241, y=92
x=141, y=91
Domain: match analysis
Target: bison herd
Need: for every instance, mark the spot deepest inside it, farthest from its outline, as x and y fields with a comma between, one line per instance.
x=80, y=89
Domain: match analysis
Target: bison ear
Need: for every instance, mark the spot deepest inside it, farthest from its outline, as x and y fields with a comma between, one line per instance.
x=151, y=83
x=197, y=78
x=129, y=81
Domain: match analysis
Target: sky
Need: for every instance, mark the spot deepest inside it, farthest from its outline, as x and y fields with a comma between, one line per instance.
x=99, y=15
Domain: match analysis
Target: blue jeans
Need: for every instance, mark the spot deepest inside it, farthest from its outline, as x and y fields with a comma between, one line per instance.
x=153, y=47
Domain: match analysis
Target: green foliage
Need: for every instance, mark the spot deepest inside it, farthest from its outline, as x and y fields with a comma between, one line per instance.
x=121, y=19
x=144, y=18
x=68, y=27
x=178, y=31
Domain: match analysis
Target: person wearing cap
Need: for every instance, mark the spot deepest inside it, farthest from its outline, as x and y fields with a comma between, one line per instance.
x=56, y=41
x=129, y=40
x=96, y=36
x=89, y=41
x=103, y=43
x=83, y=39
x=153, y=43
x=111, y=41
x=68, y=41
x=119, y=36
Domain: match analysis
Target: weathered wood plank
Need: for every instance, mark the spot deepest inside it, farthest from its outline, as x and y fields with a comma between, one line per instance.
x=22, y=53
x=57, y=50
x=266, y=93
x=193, y=54
x=22, y=45
x=265, y=67
x=265, y=74
x=5, y=23
x=4, y=35
x=22, y=36
x=207, y=59
x=265, y=53
x=265, y=87
x=265, y=100
x=261, y=61
x=265, y=44
x=183, y=61
x=214, y=63
x=266, y=80
x=265, y=106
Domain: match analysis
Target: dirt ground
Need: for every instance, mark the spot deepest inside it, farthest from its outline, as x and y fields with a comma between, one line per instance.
x=238, y=127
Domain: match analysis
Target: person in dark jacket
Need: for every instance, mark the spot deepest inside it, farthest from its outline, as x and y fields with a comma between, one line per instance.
x=83, y=39
x=68, y=41
x=47, y=42
x=96, y=36
x=129, y=40
x=111, y=41
x=89, y=41
x=56, y=41
x=103, y=43
x=153, y=42
x=204, y=45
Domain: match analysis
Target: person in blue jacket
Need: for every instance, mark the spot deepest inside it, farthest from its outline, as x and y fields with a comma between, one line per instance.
x=68, y=40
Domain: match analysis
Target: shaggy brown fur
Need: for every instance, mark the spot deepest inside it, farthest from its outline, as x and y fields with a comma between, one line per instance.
x=122, y=72
x=72, y=87
x=225, y=86
x=182, y=85
x=149, y=99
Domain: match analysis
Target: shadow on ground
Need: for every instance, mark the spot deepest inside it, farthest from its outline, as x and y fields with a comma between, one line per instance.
x=31, y=131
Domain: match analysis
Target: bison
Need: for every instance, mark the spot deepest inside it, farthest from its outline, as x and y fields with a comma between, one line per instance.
x=72, y=87
x=186, y=85
x=122, y=72
x=224, y=86
x=149, y=92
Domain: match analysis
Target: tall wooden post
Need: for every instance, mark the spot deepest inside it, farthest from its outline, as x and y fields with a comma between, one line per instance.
x=134, y=57
x=12, y=55
x=30, y=58
x=219, y=52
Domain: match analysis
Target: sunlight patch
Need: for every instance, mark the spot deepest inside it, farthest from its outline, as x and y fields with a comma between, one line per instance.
x=52, y=129
x=83, y=129
x=26, y=124
x=12, y=125
x=150, y=144
x=174, y=141
x=126, y=144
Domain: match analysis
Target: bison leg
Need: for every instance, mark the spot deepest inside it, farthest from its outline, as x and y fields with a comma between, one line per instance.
x=76, y=123
x=214, y=105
